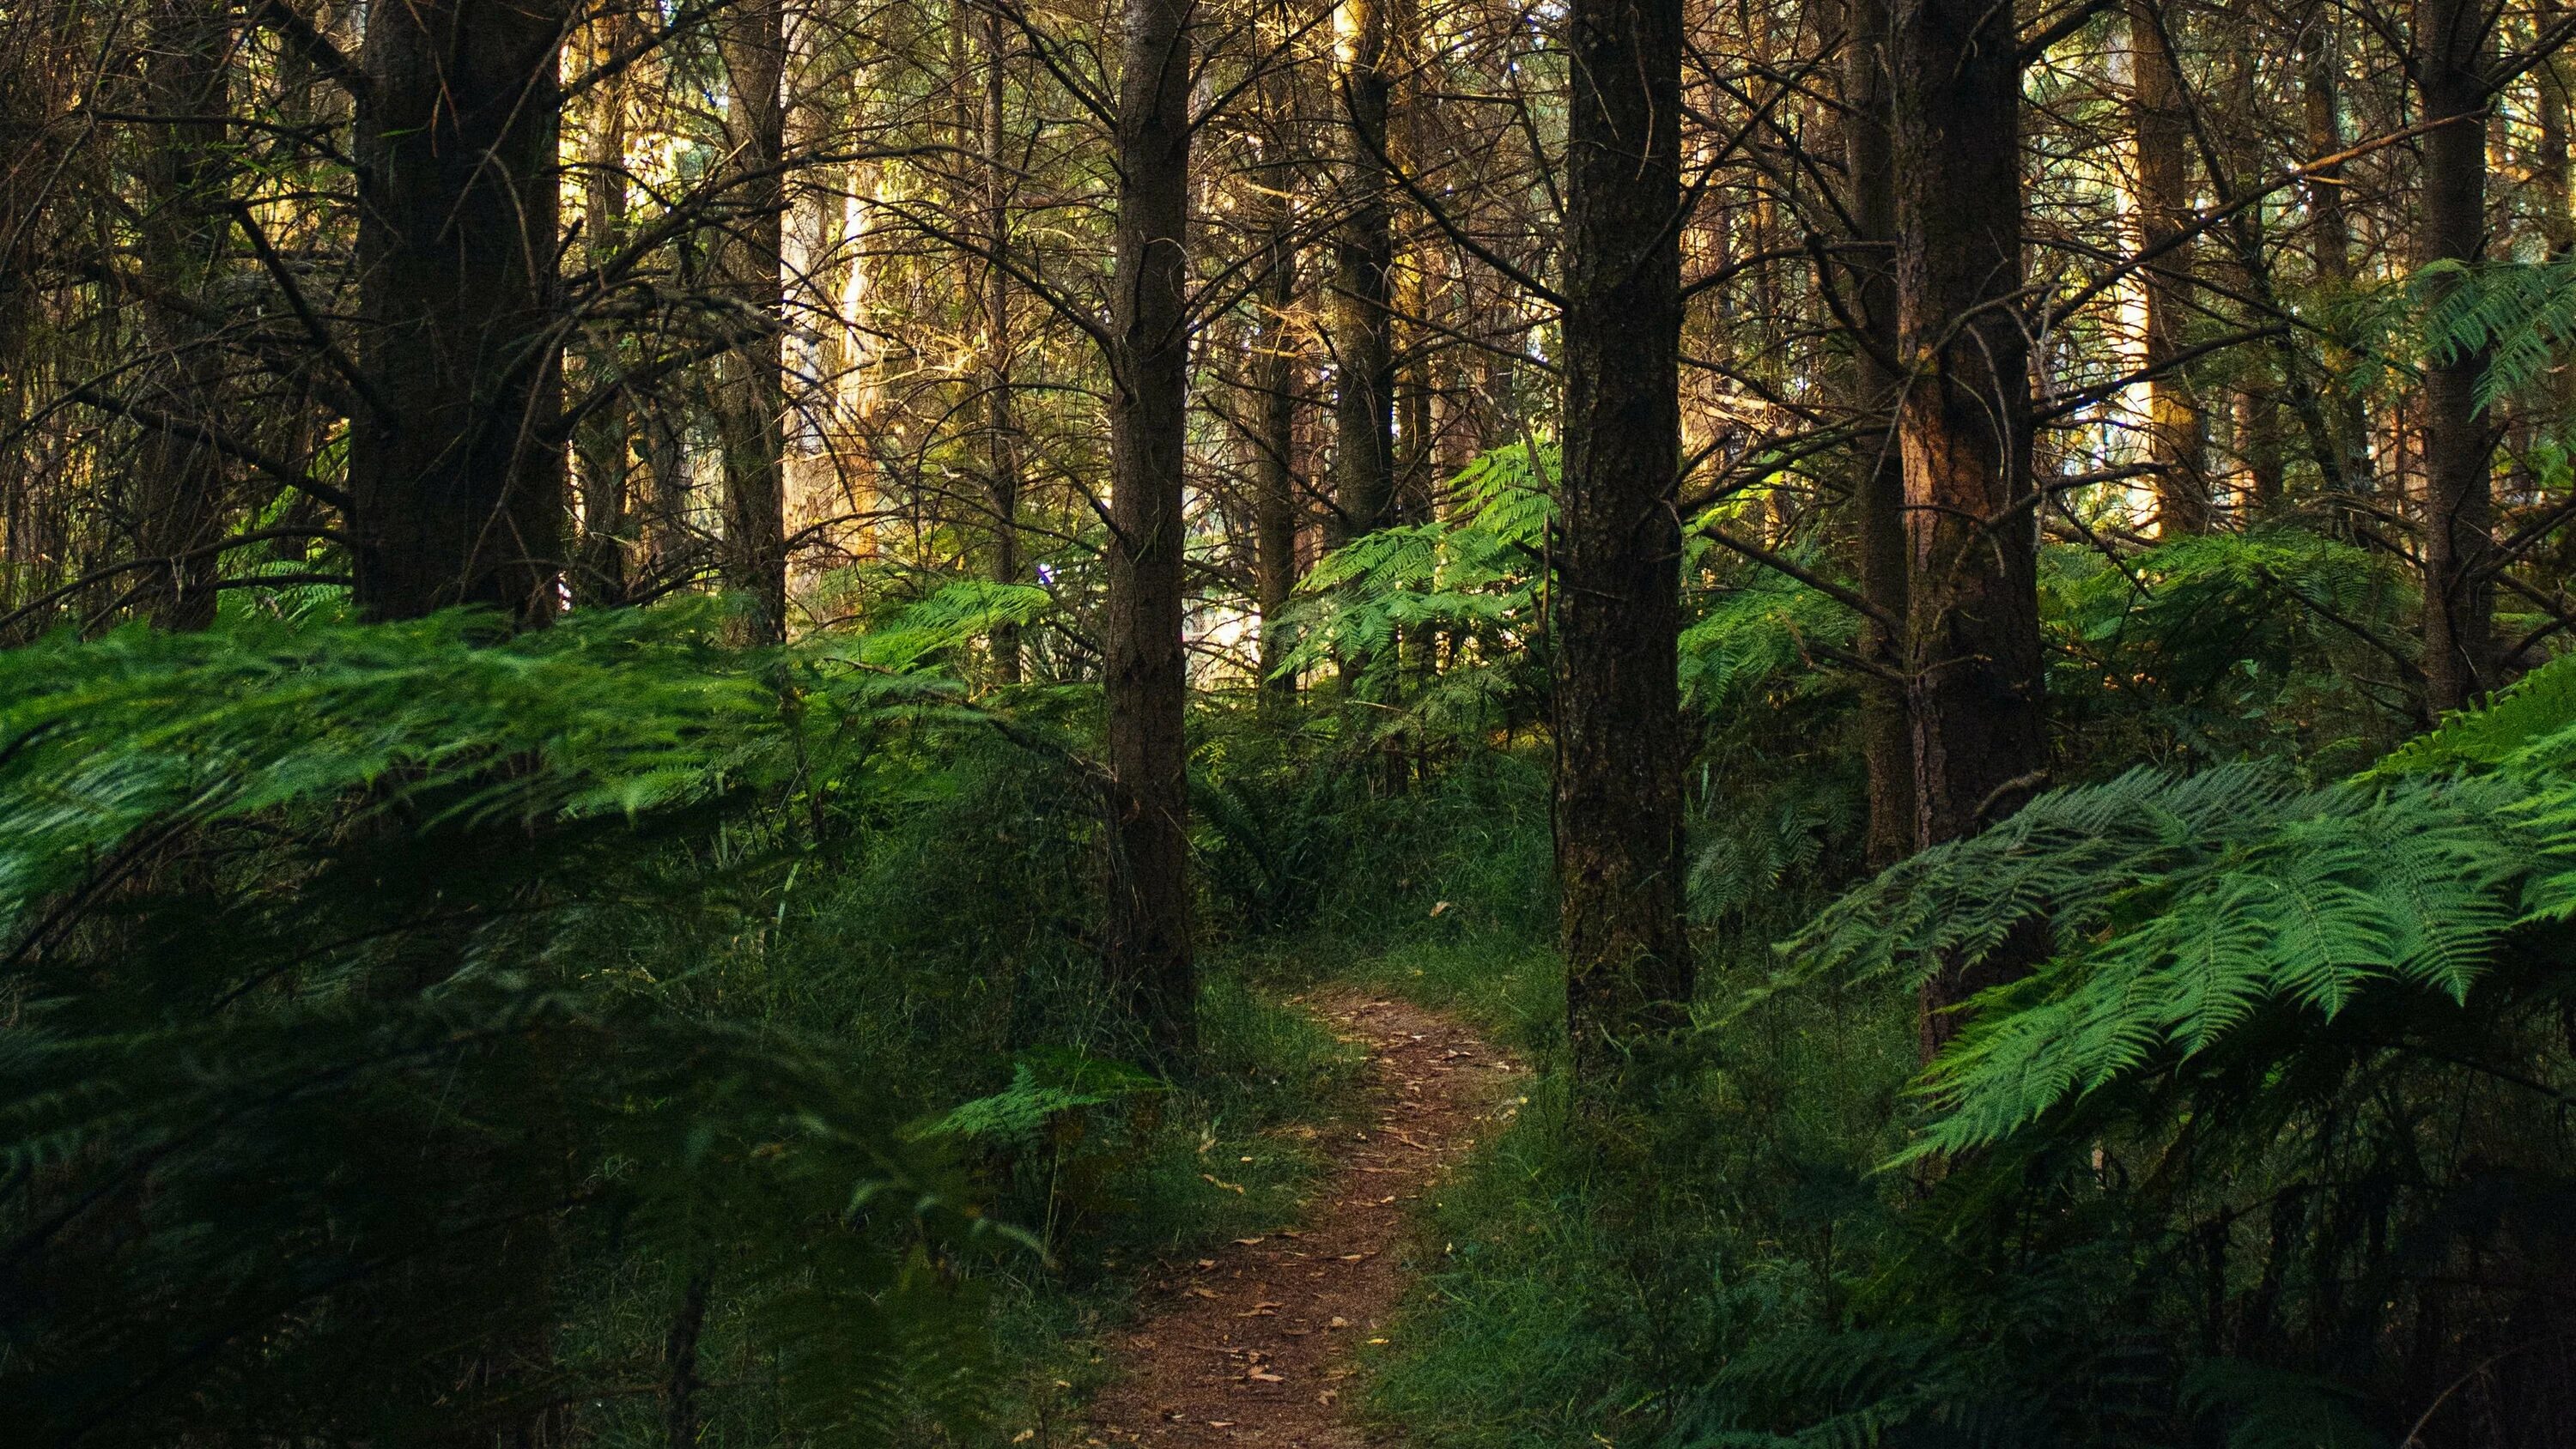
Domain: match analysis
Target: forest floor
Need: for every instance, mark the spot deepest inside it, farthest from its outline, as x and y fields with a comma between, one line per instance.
x=1256, y=1344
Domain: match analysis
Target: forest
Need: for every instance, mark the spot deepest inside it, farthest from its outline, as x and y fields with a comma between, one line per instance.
x=1337, y=724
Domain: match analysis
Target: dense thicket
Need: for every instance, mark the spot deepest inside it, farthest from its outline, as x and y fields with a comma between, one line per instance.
x=677, y=682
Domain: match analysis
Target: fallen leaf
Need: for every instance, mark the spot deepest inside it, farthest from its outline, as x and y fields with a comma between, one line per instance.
x=1264, y=1376
x=1338, y=1322
x=1201, y=1293
x=1228, y=1186
x=1248, y=1242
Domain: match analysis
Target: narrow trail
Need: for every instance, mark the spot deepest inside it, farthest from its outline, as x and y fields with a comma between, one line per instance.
x=1254, y=1345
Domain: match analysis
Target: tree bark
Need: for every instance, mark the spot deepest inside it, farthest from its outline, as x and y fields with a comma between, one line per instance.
x=2347, y=447
x=1001, y=440
x=180, y=478
x=2451, y=61
x=457, y=496
x=1148, y=918
x=1363, y=256
x=1879, y=466
x=751, y=411
x=603, y=446
x=1617, y=590
x=1973, y=609
x=1274, y=505
x=2177, y=429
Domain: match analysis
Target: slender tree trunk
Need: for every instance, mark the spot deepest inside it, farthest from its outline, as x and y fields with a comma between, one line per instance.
x=2347, y=448
x=2550, y=170
x=1001, y=438
x=603, y=446
x=1973, y=608
x=1363, y=256
x=751, y=409
x=2176, y=427
x=1149, y=925
x=1274, y=504
x=179, y=478
x=1879, y=474
x=457, y=489
x=1617, y=588
x=2451, y=60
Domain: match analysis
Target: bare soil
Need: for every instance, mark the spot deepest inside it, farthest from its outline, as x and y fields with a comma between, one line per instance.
x=1255, y=1344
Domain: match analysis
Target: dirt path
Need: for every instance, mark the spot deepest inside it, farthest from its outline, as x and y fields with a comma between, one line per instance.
x=1253, y=1345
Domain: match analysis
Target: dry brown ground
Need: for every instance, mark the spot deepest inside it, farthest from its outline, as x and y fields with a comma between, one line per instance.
x=1254, y=1345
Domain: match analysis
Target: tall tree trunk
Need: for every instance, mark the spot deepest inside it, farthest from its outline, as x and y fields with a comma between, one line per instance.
x=180, y=478
x=1363, y=255
x=2451, y=61
x=751, y=409
x=1274, y=503
x=1973, y=608
x=1148, y=918
x=2330, y=241
x=2176, y=428
x=603, y=445
x=2549, y=171
x=1617, y=590
x=1879, y=472
x=457, y=492
x=1001, y=441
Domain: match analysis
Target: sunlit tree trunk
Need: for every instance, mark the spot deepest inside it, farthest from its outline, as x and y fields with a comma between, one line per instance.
x=2452, y=50
x=1148, y=917
x=751, y=409
x=458, y=491
x=2176, y=428
x=1617, y=590
x=1973, y=607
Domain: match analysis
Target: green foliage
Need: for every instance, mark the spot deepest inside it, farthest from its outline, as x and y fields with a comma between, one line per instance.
x=1756, y=635
x=2517, y=315
x=317, y=1091
x=2184, y=908
x=2222, y=645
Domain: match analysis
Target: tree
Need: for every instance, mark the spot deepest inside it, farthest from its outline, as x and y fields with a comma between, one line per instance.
x=1617, y=586
x=751, y=408
x=2451, y=66
x=2177, y=429
x=1363, y=257
x=1145, y=680
x=1878, y=492
x=457, y=489
x=1973, y=652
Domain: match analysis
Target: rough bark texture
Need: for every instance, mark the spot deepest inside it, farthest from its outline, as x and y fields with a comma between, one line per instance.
x=751, y=411
x=1148, y=918
x=1363, y=255
x=1617, y=589
x=458, y=497
x=179, y=477
x=2459, y=441
x=1973, y=608
x=2177, y=430
x=1879, y=471
x=1001, y=439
